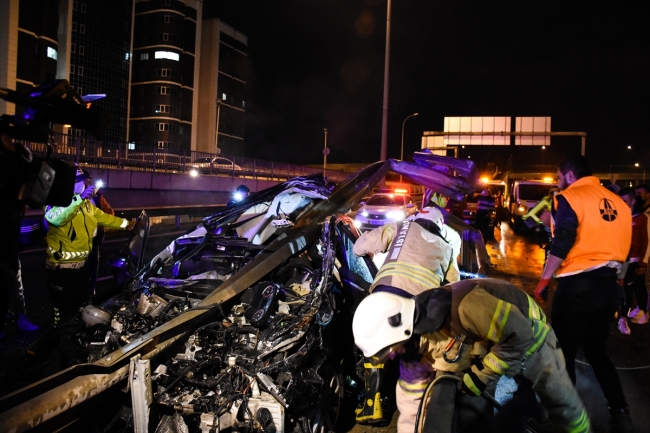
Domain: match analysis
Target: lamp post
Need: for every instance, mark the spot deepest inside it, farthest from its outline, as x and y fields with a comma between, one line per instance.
x=216, y=130
x=401, y=155
x=629, y=154
x=636, y=164
x=326, y=152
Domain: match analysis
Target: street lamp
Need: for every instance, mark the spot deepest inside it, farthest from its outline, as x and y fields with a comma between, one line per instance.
x=216, y=130
x=543, y=149
x=401, y=155
x=636, y=164
x=326, y=152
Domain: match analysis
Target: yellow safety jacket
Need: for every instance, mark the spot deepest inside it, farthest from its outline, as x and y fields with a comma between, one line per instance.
x=72, y=228
x=604, y=231
x=417, y=260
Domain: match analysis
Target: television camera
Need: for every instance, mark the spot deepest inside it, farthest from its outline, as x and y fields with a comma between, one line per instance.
x=26, y=180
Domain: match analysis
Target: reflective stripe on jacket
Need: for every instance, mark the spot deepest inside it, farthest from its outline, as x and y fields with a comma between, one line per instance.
x=417, y=259
x=604, y=232
x=71, y=229
x=502, y=314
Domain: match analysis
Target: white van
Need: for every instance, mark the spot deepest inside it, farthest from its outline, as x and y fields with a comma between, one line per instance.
x=525, y=195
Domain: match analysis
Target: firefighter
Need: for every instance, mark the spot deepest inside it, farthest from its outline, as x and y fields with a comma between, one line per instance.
x=467, y=312
x=418, y=259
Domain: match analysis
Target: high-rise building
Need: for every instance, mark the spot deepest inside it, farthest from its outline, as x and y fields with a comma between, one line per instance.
x=171, y=80
x=95, y=37
x=29, y=45
x=165, y=73
x=222, y=104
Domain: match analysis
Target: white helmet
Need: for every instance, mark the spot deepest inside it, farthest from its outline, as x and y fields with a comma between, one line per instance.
x=382, y=320
x=432, y=214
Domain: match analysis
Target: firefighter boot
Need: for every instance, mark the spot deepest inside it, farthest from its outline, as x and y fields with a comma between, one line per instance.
x=371, y=412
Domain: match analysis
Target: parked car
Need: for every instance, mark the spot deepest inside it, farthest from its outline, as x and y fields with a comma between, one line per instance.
x=219, y=163
x=383, y=208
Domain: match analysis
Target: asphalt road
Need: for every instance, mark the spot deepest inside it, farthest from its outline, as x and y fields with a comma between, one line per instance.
x=514, y=258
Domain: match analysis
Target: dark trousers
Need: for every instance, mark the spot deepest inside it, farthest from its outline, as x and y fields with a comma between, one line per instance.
x=583, y=309
x=92, y=263
x=68, y=291
x=635, y=288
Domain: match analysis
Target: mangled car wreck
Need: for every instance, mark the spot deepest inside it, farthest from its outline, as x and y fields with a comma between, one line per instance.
x=243, y=324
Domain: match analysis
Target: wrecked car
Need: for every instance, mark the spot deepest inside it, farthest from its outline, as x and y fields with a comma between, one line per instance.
x=242, y=324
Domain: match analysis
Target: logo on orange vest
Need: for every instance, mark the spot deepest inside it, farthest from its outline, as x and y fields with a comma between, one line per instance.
x=607, y=210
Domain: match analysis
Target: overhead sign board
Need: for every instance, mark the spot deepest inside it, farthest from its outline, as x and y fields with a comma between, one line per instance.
x=455, y=126
x=533, y=124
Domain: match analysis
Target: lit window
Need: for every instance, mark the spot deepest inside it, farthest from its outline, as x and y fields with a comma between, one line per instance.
x=144, y=56
x=127, y=56
x=167, y=55
x=51, y=53
x=131, y=146
x=223, y=96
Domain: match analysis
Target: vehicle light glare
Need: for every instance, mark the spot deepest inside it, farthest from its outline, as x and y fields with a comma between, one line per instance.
x=522, y=208
x=485, y=179
x=364, y=213
x=194, y=172
x=396, y=215
x=99, y=184
x=357, y=224
x=548, y=180
x=400, y=191
x=238, y=196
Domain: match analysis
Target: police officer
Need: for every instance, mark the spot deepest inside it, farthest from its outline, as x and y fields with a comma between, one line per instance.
x=592, y=235
x=69, y=242
x=465, y=313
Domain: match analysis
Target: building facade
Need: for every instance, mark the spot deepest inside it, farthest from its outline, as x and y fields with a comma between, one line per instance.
x=165, y=74
x=96, y=58
x=222, y=102
x=29, y=45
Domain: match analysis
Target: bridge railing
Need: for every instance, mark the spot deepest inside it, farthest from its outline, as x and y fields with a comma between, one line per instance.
x=103, y=154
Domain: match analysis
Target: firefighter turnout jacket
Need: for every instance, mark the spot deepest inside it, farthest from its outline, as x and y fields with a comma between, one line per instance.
x=72, y=228
x=417, y=258
x=519, y=342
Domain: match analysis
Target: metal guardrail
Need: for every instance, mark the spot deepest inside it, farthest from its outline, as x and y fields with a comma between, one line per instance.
x=102, y=154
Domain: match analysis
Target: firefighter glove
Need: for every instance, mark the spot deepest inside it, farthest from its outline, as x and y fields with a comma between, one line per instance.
x=541, y=291
x=471, y=384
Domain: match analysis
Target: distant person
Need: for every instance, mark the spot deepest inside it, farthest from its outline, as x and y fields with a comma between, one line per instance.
x=643, y=197
x=484, y=209
x=100, y=202
x=241, y=193
x=68, y=247
x=634, y=281
x=592, y=235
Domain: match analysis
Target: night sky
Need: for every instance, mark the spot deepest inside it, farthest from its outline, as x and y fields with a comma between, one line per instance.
x=320, y=64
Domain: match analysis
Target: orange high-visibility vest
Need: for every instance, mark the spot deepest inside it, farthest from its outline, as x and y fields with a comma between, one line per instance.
x=604, y=227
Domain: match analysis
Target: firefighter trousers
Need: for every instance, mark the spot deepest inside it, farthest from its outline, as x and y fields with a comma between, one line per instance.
x=547, y=371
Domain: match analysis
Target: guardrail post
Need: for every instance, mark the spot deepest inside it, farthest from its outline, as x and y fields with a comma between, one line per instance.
x=154, y=158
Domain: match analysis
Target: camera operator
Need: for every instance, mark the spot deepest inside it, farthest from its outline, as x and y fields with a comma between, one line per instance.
x=69, y=242
x=11, y=212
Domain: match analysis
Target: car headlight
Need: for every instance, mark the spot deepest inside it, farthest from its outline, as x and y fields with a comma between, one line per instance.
x=396, y=215
x=357, y=224
x=364, y=213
